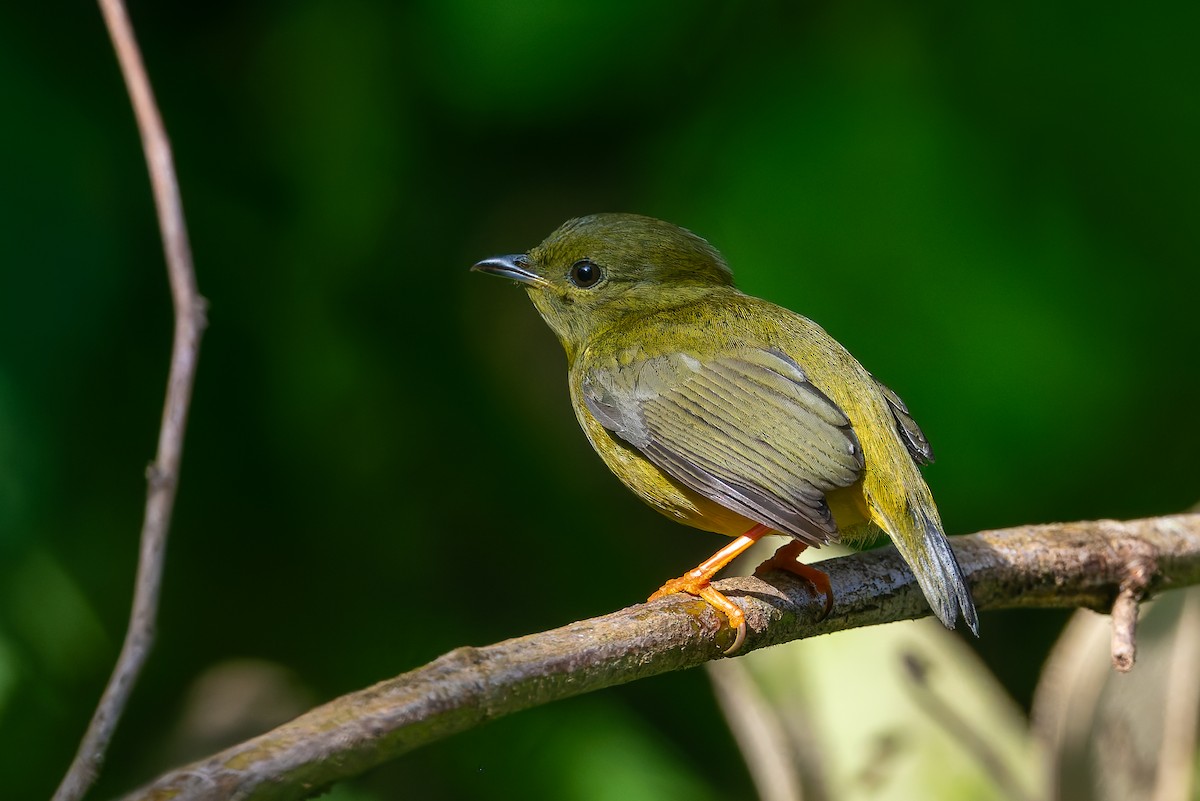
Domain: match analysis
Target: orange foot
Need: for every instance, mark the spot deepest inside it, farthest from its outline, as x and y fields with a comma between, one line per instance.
x=786, y=559
x=700, y=587
x=697, y=582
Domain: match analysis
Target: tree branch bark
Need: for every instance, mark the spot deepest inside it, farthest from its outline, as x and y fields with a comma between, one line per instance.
x=1086, y=564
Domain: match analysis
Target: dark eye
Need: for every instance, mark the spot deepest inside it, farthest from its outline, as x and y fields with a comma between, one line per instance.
x=585, y=274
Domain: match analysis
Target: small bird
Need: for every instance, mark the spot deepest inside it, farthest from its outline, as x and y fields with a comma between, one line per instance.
x=728, y=413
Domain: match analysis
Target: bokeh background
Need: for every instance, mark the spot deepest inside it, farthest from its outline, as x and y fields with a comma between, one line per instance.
x=995, y=207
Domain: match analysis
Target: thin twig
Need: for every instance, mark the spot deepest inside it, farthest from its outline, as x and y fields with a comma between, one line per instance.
x=163, y=474
x=1125, y=615
x=1053, y=566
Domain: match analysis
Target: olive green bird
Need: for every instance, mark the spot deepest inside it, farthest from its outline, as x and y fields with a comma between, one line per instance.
x=728, y=413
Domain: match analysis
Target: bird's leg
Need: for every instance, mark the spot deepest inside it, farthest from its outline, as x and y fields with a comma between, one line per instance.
x=787, y=558
x=697, y=582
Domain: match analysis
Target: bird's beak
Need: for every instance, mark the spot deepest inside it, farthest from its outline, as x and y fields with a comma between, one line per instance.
x=515, y=267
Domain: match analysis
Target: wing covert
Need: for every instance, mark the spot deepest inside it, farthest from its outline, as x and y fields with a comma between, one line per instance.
x=745, y=429
x=911, y=434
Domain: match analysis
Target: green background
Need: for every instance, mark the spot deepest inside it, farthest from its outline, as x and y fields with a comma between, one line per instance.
x=996, y=209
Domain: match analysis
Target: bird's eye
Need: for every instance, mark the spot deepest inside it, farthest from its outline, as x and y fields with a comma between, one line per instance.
x=585, y=274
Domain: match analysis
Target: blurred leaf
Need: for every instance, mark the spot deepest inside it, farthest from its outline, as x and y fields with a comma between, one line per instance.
x=54, y=619
x=1125, y=736
x=9, y=670
x=892, y=711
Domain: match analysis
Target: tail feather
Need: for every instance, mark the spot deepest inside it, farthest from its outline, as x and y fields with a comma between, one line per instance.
x=932, y=561
x=945, y=581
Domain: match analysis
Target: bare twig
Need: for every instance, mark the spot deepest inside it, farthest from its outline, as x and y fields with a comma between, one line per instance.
x=163, y=474
x=1125, y=615
x=1052, y=566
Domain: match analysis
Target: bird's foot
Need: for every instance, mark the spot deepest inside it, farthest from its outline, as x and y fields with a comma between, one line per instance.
x=787, y=558
x=694, y=583
x=698, y=582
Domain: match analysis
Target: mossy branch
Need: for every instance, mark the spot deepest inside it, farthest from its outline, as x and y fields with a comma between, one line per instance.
x=1084, y=564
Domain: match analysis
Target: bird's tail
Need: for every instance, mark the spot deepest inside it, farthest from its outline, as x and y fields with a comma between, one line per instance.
x=925, y=548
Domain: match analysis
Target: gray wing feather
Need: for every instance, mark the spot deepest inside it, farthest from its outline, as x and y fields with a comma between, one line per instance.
x=790, y=444
x=914, y=439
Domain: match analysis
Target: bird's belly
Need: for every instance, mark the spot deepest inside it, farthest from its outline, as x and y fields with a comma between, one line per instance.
x=658, y=489
x=687, y=506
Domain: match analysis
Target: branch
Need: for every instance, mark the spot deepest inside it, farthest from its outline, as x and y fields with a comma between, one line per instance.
x=1050, y=566
x=162, y=476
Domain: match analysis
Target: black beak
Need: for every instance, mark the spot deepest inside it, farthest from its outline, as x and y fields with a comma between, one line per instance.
x=515, y=267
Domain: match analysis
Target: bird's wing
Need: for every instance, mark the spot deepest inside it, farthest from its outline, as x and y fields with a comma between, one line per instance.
x=910, y=432
x=745, y=429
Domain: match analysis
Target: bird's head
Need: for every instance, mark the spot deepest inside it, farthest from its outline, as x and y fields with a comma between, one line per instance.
x=595, y=271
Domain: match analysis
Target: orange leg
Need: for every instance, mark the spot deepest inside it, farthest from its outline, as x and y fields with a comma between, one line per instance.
x=696, y=582
x=786, y=559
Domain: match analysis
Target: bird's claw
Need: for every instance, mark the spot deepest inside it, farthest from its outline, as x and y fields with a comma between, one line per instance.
x=786, y=558
x=691, y=585
x=738, y=638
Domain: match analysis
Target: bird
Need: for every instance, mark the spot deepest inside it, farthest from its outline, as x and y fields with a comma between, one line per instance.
x=729, y=413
